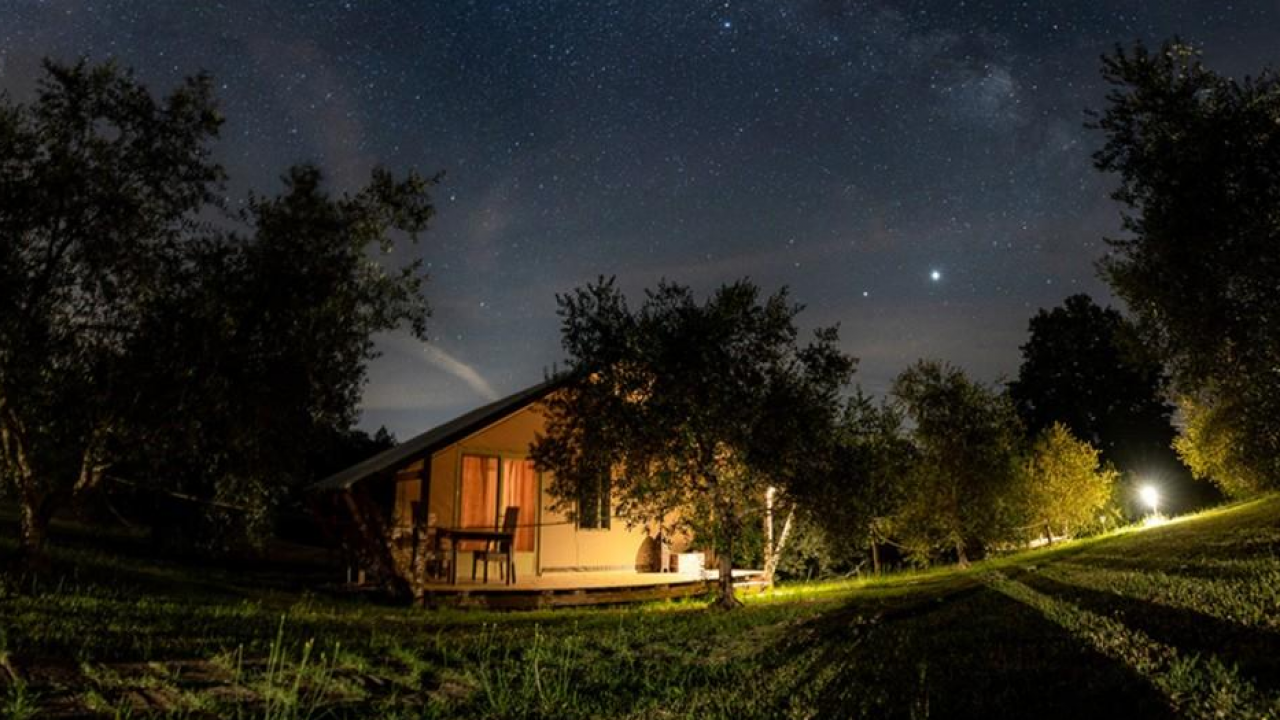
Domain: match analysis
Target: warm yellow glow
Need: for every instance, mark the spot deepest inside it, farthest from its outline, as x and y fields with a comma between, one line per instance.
x=1150, y=495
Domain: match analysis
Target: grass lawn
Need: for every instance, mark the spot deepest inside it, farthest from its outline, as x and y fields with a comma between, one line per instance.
x=1181, y=620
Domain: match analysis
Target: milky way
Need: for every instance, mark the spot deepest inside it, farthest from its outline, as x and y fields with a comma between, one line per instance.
x=845, y=149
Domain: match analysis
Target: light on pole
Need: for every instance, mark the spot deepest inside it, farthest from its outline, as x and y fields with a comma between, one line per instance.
x=1151, y=497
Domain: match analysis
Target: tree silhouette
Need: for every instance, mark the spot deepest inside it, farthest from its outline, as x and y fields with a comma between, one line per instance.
x=693, y=407
x=99, y=184
x=961, y=490
x=213, y=360
x=1084, y=367
x=1198, y=159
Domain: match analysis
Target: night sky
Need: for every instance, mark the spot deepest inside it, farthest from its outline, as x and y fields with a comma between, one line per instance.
x=917, y=172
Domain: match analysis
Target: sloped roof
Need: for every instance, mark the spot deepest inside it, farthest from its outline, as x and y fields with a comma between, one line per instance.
x=437, y=437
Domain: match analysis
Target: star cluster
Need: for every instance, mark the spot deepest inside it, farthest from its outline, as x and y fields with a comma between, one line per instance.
x=917, y=171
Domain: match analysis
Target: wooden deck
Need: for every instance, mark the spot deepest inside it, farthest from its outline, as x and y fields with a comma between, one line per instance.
x=571, y=589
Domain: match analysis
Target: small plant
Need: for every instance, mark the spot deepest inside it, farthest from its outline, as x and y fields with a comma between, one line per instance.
x=537, y=681
x=19, y=702
x=295, y=691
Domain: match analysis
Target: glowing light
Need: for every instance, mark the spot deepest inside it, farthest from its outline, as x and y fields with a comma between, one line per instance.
x=935, y=275
x=1151, y=496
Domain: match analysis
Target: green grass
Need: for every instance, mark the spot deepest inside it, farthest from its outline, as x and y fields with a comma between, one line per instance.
x=1177, y=620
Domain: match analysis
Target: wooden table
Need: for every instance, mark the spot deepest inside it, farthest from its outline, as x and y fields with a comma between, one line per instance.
x=459, y=535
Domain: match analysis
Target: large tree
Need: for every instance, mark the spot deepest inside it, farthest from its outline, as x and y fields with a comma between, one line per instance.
x=690, y=408
x=207, y=361
x=1198, y=159
x=1085, y=366
x=850, y=500
x=99, y=184
x=257, y=352
x=961, y=491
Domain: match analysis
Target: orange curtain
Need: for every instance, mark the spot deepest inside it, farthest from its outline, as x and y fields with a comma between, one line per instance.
x=479, y=491
x=520, y=489
x=479, y=494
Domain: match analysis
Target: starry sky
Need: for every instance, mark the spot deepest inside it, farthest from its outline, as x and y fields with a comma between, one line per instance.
x=918, y=172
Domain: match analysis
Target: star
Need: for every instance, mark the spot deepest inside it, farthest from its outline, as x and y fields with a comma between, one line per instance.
x=956, y=85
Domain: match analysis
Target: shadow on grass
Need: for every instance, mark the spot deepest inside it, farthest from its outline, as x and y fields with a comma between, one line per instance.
x=1252, y=650
x=971, y=652
x=125, y=560
x=1196, y=568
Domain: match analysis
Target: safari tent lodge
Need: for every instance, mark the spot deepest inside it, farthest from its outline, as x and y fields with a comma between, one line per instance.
x=460, y=510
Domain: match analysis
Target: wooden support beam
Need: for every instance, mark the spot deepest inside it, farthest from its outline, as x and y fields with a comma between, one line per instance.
x=372, y=534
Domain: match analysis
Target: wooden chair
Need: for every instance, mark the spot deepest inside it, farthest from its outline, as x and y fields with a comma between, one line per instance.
x=500, y=551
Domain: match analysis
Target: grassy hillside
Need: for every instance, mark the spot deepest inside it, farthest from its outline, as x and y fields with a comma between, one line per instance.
x=1177, y=620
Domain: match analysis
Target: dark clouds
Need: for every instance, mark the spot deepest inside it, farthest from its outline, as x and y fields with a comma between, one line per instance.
x=842, y=148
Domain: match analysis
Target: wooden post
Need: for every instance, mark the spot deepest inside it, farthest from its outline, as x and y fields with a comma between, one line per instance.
x=373, y=538
x=768, y=521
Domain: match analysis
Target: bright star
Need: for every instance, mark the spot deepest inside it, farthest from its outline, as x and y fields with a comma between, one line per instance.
x=935, y=275
x=727, y=24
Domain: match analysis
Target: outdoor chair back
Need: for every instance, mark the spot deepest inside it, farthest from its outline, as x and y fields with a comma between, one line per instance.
x=500, y=551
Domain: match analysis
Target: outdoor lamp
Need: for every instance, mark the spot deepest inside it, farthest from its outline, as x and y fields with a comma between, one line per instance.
x=1151, y=496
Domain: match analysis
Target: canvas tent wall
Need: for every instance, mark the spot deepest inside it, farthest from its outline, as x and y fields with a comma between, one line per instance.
x=464, y=473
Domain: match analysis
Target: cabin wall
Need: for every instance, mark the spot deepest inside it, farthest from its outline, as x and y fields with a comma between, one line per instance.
x=560, y=545
x=510, y=436
x=444, y=486
x=566, y=547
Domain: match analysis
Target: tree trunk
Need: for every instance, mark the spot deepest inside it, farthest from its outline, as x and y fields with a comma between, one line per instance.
x=875, y=557
x=1048, y=535
x=961, y=556
x=773, y=552
x=33, y=530
x=373, y=537
x=728, y=529
x=726, y=599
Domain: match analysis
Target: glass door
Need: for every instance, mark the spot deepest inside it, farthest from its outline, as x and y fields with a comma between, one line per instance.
x=490, y=485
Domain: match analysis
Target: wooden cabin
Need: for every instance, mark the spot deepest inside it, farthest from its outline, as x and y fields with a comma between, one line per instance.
x=464, y=474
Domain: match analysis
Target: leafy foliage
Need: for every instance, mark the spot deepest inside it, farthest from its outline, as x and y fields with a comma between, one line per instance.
x=1208, y=444
x=99, y=184
x=133, y=337
x=848, y=503
x=961, y=491
x=1084, y=368
x=695, y=407
x=263, y=341
x=1198, y=158
x=1064, y=485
